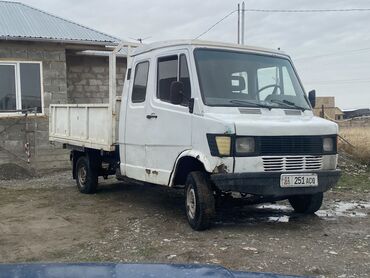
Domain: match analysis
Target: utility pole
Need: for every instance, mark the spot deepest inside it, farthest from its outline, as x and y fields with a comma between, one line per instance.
x=243, y=22
x=238, y=24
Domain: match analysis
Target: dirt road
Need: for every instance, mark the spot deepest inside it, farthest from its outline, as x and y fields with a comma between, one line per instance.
x=46, y=219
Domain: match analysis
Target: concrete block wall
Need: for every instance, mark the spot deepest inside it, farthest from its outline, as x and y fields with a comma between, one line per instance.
x=88, y=78
x=13, y=129
x=363, y=123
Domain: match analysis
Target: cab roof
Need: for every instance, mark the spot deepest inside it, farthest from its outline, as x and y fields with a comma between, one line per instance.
x=200, y=43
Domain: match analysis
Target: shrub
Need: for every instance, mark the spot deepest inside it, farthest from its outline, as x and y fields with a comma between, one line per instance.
x=359, y=138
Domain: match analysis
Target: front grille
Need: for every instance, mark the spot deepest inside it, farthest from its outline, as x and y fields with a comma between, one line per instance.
x=292, y=163
x=285, y=145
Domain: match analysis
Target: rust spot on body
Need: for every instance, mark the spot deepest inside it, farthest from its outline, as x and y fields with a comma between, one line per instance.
x=222, y=168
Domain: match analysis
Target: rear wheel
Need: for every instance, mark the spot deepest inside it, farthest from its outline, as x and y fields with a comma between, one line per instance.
x=306, y=203
x=199, y=201
x=86, y=176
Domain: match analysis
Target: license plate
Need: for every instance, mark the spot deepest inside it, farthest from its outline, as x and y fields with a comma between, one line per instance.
x=298, y=180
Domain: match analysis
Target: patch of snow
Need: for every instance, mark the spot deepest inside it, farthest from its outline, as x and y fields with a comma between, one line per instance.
x=282, y=219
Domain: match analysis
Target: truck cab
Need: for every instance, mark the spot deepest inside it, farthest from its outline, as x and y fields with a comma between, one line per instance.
x=217, y=119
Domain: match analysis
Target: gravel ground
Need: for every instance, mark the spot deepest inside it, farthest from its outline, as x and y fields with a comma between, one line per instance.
x=46, y=219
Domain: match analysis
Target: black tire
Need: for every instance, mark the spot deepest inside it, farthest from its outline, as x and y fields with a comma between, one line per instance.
x=198, y=190
x=86, y=176
x=307, y=204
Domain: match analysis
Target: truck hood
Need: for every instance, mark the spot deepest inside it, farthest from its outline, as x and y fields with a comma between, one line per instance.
x=275, y=124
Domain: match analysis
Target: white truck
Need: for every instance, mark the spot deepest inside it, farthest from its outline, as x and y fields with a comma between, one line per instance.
x=216, y=119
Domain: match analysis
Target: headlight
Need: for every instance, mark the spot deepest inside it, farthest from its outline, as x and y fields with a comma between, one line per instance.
x=328, y=144
x=223, y=145
x=245, y=145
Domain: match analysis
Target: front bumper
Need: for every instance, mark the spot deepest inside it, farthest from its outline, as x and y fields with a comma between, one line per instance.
x=268, y=183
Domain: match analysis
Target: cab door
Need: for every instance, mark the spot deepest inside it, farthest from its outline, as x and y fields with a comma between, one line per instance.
x=135, y=122
x=168, y=126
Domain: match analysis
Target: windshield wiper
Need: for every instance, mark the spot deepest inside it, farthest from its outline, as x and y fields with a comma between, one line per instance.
x=288, y=103
x=243, y=102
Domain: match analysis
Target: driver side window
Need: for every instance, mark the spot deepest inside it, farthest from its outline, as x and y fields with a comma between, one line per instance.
x=167, y=73
x=170, y=69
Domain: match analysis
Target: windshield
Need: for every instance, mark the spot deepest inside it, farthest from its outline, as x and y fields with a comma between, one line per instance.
x=230, y=78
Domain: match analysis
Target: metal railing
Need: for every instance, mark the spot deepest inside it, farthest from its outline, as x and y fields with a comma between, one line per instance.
x=32, y=110
x=27, y=145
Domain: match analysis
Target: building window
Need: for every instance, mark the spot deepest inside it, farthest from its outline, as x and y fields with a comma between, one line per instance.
x=339, y=117
x=20, y=86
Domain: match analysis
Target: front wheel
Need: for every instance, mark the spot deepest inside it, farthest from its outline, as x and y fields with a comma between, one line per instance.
x=199, y=201
x=306, y=203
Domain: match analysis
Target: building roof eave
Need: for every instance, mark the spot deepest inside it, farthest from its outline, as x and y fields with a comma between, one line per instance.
x=56, y=40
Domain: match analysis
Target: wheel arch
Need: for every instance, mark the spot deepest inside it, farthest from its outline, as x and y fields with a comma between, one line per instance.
x=186, y=162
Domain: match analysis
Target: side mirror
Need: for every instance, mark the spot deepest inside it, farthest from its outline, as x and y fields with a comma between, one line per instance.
x=176, y=92
x=312, y=98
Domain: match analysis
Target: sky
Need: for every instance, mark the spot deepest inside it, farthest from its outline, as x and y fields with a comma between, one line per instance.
x=331, y=51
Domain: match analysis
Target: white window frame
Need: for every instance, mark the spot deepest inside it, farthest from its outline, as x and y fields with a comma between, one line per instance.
x=18, y=88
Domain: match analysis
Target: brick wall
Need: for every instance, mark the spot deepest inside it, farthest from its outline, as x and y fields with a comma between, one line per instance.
x=13, y=129
x=88, y=78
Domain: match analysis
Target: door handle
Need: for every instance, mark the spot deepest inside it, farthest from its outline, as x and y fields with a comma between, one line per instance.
x=152, y=116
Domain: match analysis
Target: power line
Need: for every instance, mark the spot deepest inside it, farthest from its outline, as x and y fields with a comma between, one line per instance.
x=333, y=53
x=284, y=11
x=210, y=28
x=334, y=84
x=343, y=81
x=308, y=10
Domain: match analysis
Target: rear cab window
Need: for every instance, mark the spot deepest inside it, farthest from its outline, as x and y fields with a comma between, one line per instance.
x=140, y=82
